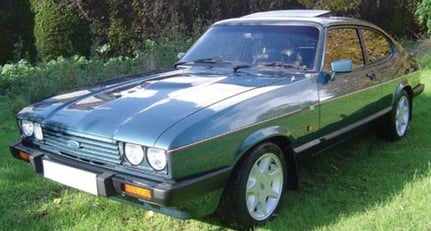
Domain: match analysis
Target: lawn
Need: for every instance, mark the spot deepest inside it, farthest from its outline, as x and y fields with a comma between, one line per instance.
x=363, y=184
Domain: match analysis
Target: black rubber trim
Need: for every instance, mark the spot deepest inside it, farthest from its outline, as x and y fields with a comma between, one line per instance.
x=418, y=89
x=109, y=183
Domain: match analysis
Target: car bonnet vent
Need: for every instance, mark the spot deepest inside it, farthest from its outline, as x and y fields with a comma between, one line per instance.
x=289, y=14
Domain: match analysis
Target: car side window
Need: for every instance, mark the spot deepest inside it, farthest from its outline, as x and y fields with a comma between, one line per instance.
x=377, y=46
x=343, y=44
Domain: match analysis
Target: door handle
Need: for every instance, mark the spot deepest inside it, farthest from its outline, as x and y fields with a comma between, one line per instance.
x=372, y=76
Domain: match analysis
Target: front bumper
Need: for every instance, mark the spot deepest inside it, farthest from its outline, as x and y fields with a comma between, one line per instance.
x=169, y=193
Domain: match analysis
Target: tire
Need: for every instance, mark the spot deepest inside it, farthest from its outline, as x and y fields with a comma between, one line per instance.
x=256, y=187
x=398, y=120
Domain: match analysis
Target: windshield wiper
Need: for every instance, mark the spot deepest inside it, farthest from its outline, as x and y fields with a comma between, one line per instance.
x=282, y=64
x=240, y=66
x=204, y=60
x=211, y=61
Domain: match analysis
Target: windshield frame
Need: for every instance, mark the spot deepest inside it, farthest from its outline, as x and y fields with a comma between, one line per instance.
x=263, y=33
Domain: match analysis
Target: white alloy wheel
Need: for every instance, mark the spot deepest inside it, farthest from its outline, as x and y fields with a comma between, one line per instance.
x=256, y=187
x=264, y=186
x=402, y=115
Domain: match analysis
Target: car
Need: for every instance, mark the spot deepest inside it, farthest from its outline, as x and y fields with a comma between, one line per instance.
x=220, y=131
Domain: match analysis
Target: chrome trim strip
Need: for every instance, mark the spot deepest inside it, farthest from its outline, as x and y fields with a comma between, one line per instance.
x=307, y=145
x=341, y=131
x=357, y=124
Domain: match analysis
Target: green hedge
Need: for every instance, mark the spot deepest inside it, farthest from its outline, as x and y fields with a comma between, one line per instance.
x=59, y=31
x=23, y=83
x=424, y=14
x=16, y=30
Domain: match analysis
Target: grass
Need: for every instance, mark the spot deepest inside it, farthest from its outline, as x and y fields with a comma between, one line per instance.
x=366, y=183
x=362, y=184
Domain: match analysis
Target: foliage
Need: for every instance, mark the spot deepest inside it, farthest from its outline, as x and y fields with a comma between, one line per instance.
x=69, y=27
x=337, y=5
x=125, y=25
x=395, y=16
x=26, y=83
x=424, y=14
x=16, y=29
x=59, y=31
x=425, y=62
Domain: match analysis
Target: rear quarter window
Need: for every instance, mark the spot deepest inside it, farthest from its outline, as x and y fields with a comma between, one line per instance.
x=377, y=45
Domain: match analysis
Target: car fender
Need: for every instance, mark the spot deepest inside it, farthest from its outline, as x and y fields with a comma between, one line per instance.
x=404, y=85
x=281, y=136
x=260, y=136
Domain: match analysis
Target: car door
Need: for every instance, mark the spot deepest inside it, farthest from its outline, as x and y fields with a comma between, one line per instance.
x=383, y=62
x=347, y=99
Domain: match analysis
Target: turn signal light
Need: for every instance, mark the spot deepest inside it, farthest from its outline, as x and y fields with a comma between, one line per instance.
x=24, y=156
x=137, y=191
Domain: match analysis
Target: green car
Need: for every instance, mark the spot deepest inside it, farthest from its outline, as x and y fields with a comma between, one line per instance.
x=220, y=131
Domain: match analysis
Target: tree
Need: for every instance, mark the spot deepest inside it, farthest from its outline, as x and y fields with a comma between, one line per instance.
x=342, y=6
x=16, y=29
x=397, y=17
x=59, y=31
x=423, y=12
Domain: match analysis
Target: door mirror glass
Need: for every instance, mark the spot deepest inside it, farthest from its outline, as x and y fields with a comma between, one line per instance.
x=342, y=66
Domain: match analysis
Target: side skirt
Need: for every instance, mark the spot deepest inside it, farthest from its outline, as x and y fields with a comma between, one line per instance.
x=321, y=144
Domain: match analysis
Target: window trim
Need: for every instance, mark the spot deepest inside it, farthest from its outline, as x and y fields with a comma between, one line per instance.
x=357, y=28
x=361, y=30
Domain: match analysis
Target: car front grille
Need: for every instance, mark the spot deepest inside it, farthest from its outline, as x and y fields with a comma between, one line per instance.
x=82, y=147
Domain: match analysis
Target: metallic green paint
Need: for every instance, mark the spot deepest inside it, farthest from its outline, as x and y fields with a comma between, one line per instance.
x=208, y=115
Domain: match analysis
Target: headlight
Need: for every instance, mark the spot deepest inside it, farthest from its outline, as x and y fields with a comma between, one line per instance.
x=27, y=127
x=134, y=153
x=156, y=158
x=37, y=130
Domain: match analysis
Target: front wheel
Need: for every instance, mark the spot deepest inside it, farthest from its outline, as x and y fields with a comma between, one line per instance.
x=397, y=122
x=256, y=187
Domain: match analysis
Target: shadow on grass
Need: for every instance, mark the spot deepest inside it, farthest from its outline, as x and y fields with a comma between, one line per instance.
x=355, y=176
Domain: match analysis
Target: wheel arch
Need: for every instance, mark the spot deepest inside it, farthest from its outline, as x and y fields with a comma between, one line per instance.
x=404, y=86
x=279, y=136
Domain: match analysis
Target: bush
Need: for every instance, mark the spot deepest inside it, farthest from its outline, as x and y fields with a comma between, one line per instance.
x=425, y=61
x=59, y=31
x=423, y=13
x=23, y=83
x=16, y=29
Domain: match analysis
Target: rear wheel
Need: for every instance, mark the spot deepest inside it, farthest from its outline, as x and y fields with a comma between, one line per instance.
x=397, y=122
x=256, y=187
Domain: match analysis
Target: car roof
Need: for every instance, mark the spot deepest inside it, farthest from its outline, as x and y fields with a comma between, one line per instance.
x=323, y=18
x=288, y=13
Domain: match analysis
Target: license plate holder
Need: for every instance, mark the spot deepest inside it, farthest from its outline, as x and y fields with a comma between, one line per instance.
x=73, y=177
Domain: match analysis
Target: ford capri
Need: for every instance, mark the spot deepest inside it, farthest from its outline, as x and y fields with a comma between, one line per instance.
x=221, y=129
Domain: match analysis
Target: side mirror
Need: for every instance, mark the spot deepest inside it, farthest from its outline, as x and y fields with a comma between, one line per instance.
x=180, y=55
x=340, y=66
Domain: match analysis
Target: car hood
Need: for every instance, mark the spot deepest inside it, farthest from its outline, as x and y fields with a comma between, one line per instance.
x=142, y=109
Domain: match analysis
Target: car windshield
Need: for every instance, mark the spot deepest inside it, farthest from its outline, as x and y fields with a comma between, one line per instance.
x=260, y=45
